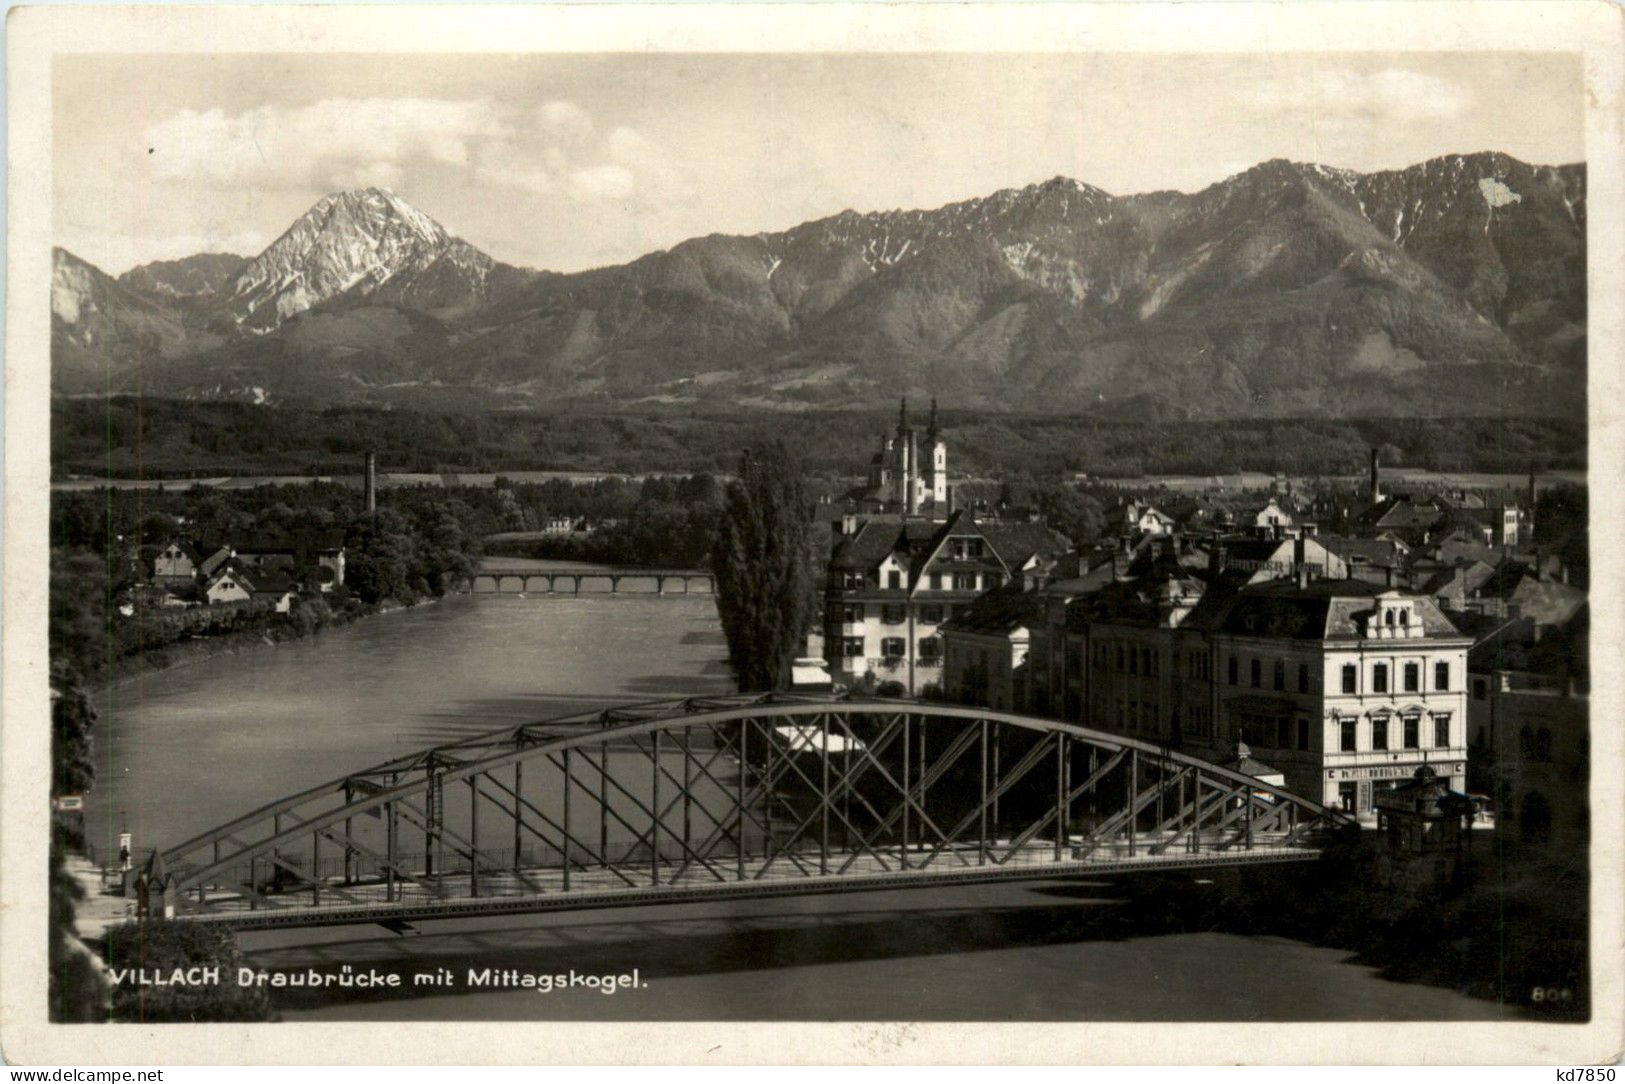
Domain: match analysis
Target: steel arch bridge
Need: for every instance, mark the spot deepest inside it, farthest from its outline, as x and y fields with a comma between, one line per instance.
x=718, y=797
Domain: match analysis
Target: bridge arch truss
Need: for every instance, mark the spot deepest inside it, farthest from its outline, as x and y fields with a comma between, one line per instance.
x=729, y=796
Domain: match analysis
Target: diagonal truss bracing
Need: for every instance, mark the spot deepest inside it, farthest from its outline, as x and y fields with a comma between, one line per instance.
x=775, y=794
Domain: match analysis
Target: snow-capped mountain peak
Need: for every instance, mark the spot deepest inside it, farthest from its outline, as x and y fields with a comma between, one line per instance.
x=355, y=242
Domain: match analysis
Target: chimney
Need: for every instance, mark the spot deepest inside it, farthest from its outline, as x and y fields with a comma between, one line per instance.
x=1219, y=558
x=369, y=484
x=1376, y=478
x=1301, y=572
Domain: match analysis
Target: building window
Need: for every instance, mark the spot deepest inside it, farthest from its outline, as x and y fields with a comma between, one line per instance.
x=893, y=647
x=1258, y=673
x=894, y=579
x=1413, y=677
x=1233, y=677
x=1283, y=732
x=1379, y=732
x=1379, y=678
x=852, y=613
x=1441, y=731
x=964, y=581
x=936, y=581
x=1145, y=662
x=852, y=646
x=892, y=614
x=1441, y=676
x=1350, y=678
x=1303, y=733
x=1133, y=661
x=1413, y=731
x=1348, y=735
x=1303, y=677
x=931, y=614
x=1280, y=677
x=1479, y=688
x=930, y=649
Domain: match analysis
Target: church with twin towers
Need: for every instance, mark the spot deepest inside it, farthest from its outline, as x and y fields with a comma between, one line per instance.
x=909, y=474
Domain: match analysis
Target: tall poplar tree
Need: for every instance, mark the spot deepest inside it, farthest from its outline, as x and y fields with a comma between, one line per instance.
x=764, y=567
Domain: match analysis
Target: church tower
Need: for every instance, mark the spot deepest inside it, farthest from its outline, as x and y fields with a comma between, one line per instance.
x=935, y=481
x=907, y=463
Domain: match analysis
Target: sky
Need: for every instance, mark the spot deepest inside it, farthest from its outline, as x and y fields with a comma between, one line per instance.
x=565, y=162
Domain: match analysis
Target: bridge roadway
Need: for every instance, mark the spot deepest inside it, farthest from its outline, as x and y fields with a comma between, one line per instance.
x=721, y=797
x=545, y=889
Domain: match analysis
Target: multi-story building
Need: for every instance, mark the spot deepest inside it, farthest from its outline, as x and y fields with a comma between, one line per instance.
x=892, y=584
x=1529, y=708
x=1345, y=686
x=985, y=647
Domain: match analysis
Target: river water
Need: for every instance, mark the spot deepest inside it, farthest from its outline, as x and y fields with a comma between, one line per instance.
x=181, y=750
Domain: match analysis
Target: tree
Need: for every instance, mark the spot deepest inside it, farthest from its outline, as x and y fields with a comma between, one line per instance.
x=1076, y=515
x=763, y=563
x=380, y=557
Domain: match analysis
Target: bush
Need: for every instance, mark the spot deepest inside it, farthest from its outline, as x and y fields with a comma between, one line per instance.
x=161, y=946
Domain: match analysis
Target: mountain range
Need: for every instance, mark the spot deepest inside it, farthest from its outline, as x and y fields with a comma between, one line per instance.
x=1456, y=286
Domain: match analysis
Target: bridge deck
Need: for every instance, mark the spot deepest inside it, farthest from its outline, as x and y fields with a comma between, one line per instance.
x=544, y=889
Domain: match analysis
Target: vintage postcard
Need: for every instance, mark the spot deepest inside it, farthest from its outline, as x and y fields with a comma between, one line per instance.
x=820, y=533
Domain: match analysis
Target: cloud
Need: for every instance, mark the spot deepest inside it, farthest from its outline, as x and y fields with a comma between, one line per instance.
x=548, y=149
x=1398, y=93
x=333, y=142
x=565, y=117
x=603, y=182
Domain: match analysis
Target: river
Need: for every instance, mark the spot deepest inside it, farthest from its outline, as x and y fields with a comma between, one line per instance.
x=181, y=750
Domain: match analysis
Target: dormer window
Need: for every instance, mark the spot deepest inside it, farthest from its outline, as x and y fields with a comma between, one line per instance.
x=1393, y=620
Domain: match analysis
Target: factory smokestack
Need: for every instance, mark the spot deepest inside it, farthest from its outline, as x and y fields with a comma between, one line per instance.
x=369, y=484
x=1376, y=478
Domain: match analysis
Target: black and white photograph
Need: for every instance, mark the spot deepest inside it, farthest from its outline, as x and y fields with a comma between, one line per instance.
x=877, y=531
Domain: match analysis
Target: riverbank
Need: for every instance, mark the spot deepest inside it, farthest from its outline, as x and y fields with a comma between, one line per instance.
x=207, y=648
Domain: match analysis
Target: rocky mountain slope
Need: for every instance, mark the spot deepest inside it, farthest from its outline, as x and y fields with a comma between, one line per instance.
x=1453, y=286
x=203, y=275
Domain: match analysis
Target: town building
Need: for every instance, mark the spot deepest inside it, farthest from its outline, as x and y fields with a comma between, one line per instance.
x=984, y=649
x=316, y=552
x=176, y=563
x=1344, y=686
x=229, y=584
x=892, y=584
x=1529, y=713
